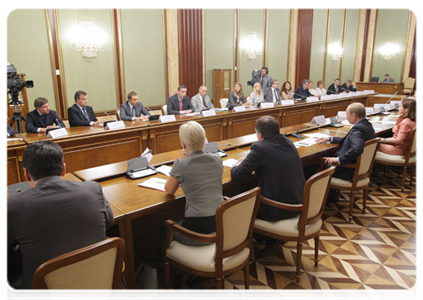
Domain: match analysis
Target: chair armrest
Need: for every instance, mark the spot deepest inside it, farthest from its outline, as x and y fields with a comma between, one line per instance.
x=291, y=207
x=173, y=226
x=226, y=198
x=351, y=166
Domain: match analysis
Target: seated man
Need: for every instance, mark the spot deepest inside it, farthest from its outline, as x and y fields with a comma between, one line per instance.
x=352, y=145
x=272, y=93
x=302, y=91
x=42, y=118
x=388, y=79
x=179, y=103
x=80, y=114
x=335, y=88
x=349, y=86
x=132, y=110
x=55, y=216
x=277, y=165
x=202, y=101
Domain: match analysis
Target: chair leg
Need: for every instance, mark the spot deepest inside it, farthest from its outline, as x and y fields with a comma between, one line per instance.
x=404, y=172
x=299, y=254
x=247, y=276
x=167, y=274
x=316, y=250
x=364, y=200
x=412, y=173
x=351, y=206
x=218, y=288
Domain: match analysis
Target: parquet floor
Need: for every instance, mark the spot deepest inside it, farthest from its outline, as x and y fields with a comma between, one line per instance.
x=377, y=250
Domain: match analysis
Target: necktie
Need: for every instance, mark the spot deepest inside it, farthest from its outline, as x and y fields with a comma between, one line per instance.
x=276, y=96
x=44, y=117
x=85, y=113
x=133, y=112
x=261, y=82
x=180, y=105
x=204, y=103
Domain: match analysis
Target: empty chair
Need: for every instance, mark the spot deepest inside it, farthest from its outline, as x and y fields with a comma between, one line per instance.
x=98, y=266
x=118, y=114
x=164, y=109
x=309, y=221
x=409, y=85
x=230, y=246
x=223, y=102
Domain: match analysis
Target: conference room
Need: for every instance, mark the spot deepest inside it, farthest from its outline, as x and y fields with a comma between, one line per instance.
x=127, y=66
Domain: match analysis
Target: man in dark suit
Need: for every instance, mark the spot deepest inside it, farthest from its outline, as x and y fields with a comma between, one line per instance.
x=272, y=93
x=54, y=216
x=179, y=103
x=133, y=110
x=80, y=114
x=335, y=88
x=302, y=91
x=42, y=118
x=8, y=130
x=352, y=145
x=388, y=79
x=349, y=86
x=265, y=79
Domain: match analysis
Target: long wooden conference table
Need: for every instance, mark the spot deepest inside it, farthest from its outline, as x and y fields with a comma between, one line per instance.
x=140, y=212
x=87, y=147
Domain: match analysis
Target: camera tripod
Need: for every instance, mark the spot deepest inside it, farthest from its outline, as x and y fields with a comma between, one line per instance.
x=17, y=116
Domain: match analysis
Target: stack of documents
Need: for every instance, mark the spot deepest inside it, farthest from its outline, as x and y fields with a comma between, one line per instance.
x=305, y=142
x=154, y=183
x=229, y=162
x=164, y=169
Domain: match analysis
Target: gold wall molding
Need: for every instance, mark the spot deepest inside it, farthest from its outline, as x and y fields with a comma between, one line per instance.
x=408, y=49
x=266, y=37
x=116, y=61
x=120, y=74
x=326, y=47
x=344, y=29
x=360, y=44
x=292, y=51
x=172, y=50
x=370, y=45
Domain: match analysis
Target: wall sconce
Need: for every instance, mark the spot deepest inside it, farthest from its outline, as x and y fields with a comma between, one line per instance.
x=252, y=46
x=389, y=50
x=87, y=38
x=335, y=50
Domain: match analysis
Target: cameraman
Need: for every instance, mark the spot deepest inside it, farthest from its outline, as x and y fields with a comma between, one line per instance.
x=265, y=78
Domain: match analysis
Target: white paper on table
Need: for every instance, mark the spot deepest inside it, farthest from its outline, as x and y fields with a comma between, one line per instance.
x=230, y=162
x=345, y=122
x=154, y=183
x=306, y=142
x=147, y=154
x=316, y=135
x=143, y=173
x=393, y=122
x=164, y=169
x=191, y=114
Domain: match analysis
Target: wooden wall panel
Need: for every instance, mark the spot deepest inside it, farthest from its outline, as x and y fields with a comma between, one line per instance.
x=305, y=30
x=190, y=34
x=363, y=57
x=415, y=57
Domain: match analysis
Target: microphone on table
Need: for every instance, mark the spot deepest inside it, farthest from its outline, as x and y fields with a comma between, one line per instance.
x=301, y=96
x=297, y=133
x=58, y=123
x=391, y=97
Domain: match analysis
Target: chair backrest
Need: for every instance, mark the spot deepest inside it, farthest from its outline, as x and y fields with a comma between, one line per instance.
x=314, y=197
x=118, y=114
x=66, y=122
x=409, y=83
x=164, y=109
x=366, y=159
x=156, y=112
x=223, y=102
x=411, y=150
x=98, y=266
x=234, y=223
x=110, y=117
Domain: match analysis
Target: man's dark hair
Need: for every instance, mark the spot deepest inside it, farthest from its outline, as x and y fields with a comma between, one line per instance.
x=273, y=81
x=265, y=68
x=182, y=87
x=42, y=159
x=131, y=94
x=267, y=126
x=78, y=94
x=40, y=101
x=386, y=74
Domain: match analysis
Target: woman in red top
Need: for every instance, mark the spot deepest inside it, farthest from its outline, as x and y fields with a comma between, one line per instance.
x=397, y=144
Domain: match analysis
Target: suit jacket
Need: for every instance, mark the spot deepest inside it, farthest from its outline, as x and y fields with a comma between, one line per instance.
x=351, y=146
x=333, y=90
x=10, y=130
x=269, y=95
x=300, y=91
x=348, y=89
x=126, y=112
x=77, y=118
x=34, y=121
x=55, y=217
x=388, y=80
x=198, y=104
x=266, y=81
x=277, y=165
x=234, y=101
x=173, y=105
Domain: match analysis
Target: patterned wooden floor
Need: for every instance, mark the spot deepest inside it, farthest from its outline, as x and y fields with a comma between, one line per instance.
x=377, y=250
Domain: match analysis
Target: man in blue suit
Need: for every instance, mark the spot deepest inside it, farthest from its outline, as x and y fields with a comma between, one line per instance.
x=42, y=118
x=132, y=110
x=179, y=103
x=80, y=114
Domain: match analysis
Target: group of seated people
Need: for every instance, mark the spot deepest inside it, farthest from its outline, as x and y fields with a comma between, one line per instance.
x=57, y=216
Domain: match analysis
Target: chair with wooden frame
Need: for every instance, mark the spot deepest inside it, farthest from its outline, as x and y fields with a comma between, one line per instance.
x=362, y=173
x=405, y=161
x=309, y=221
x=229, y=248
x=98, y=266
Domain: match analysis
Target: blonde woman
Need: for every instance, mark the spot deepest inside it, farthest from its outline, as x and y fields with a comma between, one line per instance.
x=236, y=97
x=256, y=95
x=320, y=90
x=200, y=175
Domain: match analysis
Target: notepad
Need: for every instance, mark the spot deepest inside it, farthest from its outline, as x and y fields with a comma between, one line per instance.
x=154, y=183
x=229, y=162
x=306, y=142
x=143, y=173
x=164, y=169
